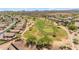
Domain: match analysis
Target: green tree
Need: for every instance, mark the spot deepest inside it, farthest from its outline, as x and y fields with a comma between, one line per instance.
x=8, y=30
x=72, y=26
x=44, y=42
x=31, y=40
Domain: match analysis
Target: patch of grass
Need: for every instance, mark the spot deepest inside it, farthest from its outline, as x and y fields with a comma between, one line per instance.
x=40, y=24
x=2, y=41
x=48, y=30
x=35, y=32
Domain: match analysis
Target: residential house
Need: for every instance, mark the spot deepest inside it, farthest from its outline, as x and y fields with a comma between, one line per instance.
x=8, y=36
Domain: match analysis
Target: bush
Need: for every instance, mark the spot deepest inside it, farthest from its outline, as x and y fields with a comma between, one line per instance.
x=64, y=48
x=8, y=30
x=75, y=41
x=72, y=27
x=31, y=40
x=44, y=42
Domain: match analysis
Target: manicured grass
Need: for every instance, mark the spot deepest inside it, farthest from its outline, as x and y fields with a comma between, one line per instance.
x=2, y=42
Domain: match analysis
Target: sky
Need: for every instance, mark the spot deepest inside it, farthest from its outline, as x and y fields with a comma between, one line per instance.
x=32, y=9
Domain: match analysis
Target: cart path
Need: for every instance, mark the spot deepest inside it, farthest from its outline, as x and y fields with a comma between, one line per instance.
x=27, y=28
x=70, y=37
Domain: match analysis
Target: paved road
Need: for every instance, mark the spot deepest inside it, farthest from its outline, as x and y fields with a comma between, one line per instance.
x=6, y=45
x=8, y=27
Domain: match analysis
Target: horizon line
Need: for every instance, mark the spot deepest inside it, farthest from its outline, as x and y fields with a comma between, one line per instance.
x=37, y=9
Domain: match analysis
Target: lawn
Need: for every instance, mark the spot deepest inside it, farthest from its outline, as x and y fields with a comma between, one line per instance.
x=44, y=28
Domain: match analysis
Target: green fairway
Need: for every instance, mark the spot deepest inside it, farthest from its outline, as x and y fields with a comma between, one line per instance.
x=43, y=28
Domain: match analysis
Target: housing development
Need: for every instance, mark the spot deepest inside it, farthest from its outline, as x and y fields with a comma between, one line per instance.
x=39, y=30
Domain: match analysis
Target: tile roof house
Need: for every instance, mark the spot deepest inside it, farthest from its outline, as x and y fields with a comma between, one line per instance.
x=8, y=36
x=15, y=31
